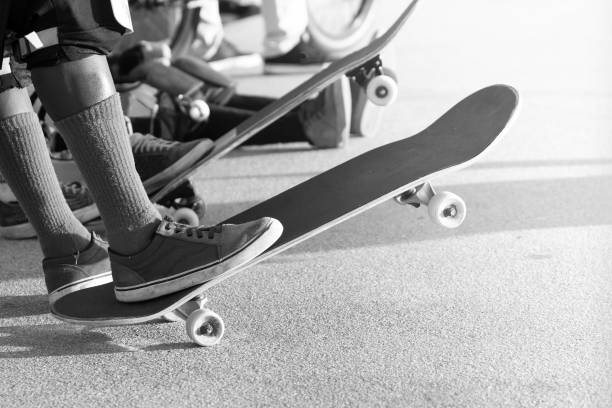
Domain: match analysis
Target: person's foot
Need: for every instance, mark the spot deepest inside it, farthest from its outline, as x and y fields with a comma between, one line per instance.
x=180, y=257
x=80, y=270
x=366, y=117
x=229, y=60
x=305, y=57
x=326, y=119
x=15, y=225
x=158, y=160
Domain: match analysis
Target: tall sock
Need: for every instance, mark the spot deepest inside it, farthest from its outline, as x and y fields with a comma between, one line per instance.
x=98, y=140
x=27, y=168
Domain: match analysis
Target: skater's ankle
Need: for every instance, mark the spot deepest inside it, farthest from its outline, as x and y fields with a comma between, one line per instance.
x=128, y=243
x=65, y=244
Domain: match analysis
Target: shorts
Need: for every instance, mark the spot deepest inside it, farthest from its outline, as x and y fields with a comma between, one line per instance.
x=84, y=28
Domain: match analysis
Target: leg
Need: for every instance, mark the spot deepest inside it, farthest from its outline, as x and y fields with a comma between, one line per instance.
x=285, y=22
x=27, y=168
x=80, y=97
x=71, y=253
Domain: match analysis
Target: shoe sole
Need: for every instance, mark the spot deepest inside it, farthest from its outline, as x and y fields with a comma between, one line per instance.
x=96, y=280
x=26, y=230
x=200, y=276
x=236, y=66
x=162, y=178
x=289, y=69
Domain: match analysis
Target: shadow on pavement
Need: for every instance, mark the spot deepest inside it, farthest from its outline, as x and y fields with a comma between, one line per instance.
x=22, y=306
x=62, y=339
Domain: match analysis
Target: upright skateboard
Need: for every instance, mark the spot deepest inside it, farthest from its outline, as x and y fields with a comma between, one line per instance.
x=399, y=170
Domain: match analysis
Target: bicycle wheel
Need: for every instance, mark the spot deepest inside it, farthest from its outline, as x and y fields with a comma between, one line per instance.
x=339, y=27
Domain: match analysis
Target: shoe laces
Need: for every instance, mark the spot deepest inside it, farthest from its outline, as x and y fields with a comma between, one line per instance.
x=189, y=231
x=150, y=144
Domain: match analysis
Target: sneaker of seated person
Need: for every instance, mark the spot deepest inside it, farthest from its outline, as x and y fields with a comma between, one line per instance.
x=304, y=58
x=85, y=268
x=180, y=257
x=326, y=119
x=158, y=160
x=228, y=59
x=15, y=225
x=366, y=117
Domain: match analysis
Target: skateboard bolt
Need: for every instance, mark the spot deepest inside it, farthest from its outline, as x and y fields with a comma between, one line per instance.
x=450, y=211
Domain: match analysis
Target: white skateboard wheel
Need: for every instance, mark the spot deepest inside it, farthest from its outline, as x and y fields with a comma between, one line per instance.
x=199, y=111
x=186, y=216
x=382, y=90
x=205, y=327
x=447, y=209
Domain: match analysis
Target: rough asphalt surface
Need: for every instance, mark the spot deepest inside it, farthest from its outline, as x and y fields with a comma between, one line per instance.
x=387, y=309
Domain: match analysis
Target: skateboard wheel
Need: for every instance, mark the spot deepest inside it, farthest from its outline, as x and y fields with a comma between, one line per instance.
x=205, y=327
x=382, y=90
x=187, y=216
x=447, y=209
x=199, y=111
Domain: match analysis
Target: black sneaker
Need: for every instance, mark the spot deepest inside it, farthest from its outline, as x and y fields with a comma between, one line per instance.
x=304, y=58
x=15, y=225
x=180, y=257
x=158, y=160
x=230, y=60
x=83, y=269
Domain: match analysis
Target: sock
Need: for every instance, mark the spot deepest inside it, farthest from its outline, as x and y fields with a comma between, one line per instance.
x=98, y=140
x=27, y=168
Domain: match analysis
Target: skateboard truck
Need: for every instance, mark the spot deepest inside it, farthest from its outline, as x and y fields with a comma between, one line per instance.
x=203, y=326
x=379, y=83
x=445, y=208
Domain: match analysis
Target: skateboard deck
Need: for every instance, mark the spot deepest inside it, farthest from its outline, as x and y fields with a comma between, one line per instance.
x=452, y=142
x=362, y=65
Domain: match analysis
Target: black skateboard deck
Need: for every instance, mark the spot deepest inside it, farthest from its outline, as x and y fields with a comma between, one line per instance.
x=452, y=142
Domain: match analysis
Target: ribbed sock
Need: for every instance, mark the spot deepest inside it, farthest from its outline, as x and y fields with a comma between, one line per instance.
x=27, y=168
x=98, y=140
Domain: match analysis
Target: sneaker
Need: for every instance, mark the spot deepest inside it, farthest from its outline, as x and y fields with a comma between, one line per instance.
x=230, y=60
x=14, y=223
x=326, y=119
x=67, y=274
x=180, y=257
x=304, y=58
x=158, y=160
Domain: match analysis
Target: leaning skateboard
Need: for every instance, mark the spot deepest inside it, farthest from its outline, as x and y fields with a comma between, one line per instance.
x=178, y=200
x=363, y=66
x=398, y=170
